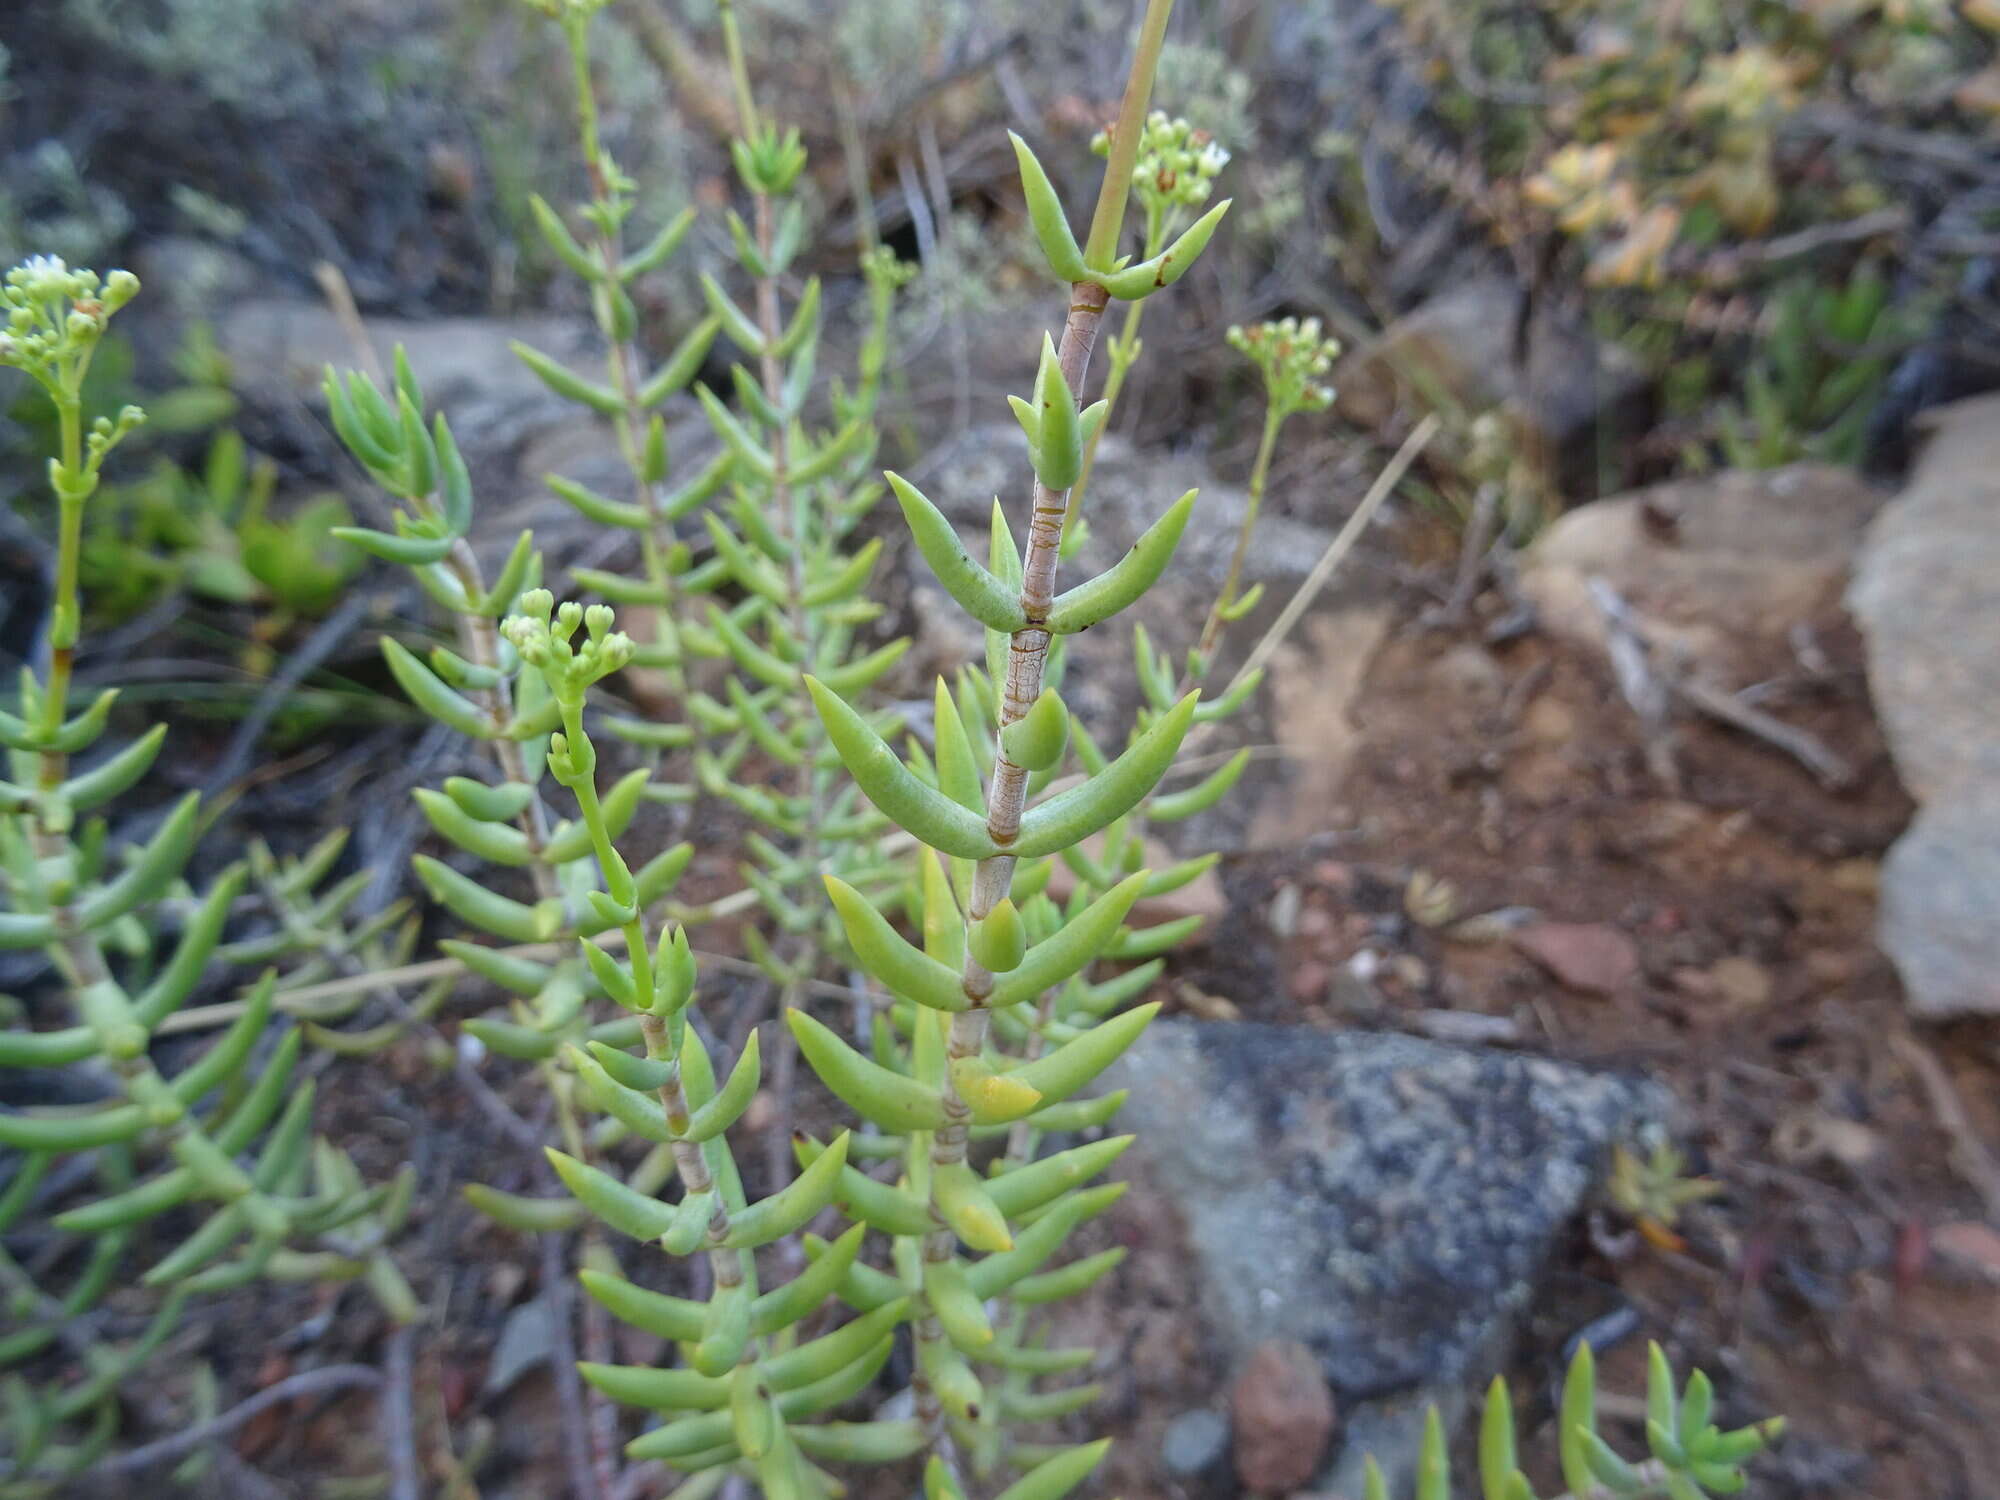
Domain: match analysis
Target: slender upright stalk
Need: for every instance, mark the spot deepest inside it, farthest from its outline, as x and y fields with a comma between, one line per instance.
x=1109, y=217
x=622, y=353
x=66, y=611
x=739, y=72
x=480, y=642
x=1122, y=352
x=1260, y=473
x=1027, y=658
x=689, y=1162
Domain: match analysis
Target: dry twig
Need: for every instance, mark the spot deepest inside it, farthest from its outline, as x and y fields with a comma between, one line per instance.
x=1969, y=1154
x=1651, y=679
x=324, y=1381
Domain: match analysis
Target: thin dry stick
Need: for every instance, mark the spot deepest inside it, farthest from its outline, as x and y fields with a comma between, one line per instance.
x=398, y=1414
x=1807, y=749
x=340, y=298
x=1336, y=552
x=1649, y=677
x=321, y=1382
x=578, y=1432
x=1975, y=1163
x=1472, y=549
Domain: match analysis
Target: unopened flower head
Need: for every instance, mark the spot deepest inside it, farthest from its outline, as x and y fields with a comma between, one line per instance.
x=54, y=311
x=1293, y=354
x=1177, y=163
x=545, y=635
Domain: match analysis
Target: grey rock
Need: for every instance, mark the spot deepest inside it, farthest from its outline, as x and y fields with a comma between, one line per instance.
x=466, y=367
x=1389, y=1202
x=1719, y=567
x=1195, y=1448
x=1926, y=593
x=1940, y=888
x=527, y=1340
x=1462, y=341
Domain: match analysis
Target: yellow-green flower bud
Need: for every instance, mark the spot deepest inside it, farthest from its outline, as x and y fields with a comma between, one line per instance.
x=120, y=287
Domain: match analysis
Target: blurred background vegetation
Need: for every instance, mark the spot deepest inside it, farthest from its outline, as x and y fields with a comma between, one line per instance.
x=1773, y=224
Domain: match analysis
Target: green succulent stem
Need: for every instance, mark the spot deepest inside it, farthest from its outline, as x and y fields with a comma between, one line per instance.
x=1027, y=660
x=575, y=27
x=622, y=361
x=65, y=611
x=1121, y=354
x=689, y=1161
x=1026, y=664
x=739, y=71
x=479, y=639
x=1260, y=473
x=1109, y=216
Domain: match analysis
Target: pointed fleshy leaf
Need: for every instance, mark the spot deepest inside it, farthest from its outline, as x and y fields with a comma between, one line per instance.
x=791, y=1207
x=1026, y=1188
x=905, y=969
x=1071, y=947
x=1072, y=816
x=961, y=1198
x=1058, y=444
x=566, y=383
x=1169, y=266
x=424, y=689
x=872, y=1091
x=1100, y=598
x=992, y=601
x=1060, y=1073
x=1045, y=213
x=922, y=811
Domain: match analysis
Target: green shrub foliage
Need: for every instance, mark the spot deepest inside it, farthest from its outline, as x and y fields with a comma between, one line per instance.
x=971, y=888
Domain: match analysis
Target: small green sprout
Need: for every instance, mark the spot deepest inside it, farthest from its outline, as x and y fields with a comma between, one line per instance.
x=1652, y=1190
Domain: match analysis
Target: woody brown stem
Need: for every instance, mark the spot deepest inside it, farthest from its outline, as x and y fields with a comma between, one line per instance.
x=1027, y=661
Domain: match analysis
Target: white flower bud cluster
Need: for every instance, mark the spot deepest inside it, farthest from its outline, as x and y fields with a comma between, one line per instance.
x=1293, y=354
x=53, y=312
x=1177, y=164
x=545, y=637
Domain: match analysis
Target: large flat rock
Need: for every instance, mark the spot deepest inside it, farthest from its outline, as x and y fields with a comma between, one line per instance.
x=1389, y=1202
x=1926, y=592
x=1720, y=567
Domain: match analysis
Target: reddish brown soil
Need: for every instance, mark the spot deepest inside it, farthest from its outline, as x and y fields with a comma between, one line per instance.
x=1809, y=1287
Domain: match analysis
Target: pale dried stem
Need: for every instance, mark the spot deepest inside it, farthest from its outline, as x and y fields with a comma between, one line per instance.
x=310, y=1000
x=1329, y=560
x=328, y=1380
